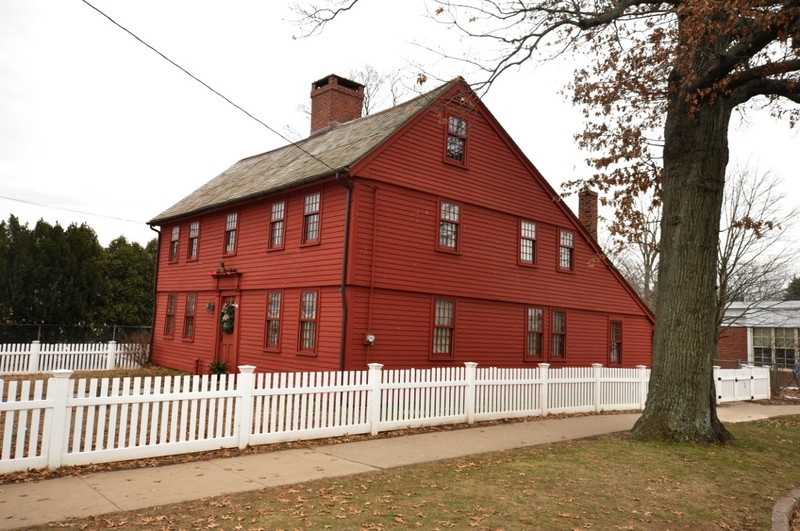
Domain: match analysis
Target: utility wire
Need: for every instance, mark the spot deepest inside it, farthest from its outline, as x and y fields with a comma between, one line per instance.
x=69, y=209
x=206, y=85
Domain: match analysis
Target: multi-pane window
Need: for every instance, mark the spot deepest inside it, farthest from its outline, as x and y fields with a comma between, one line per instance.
x=188, y=318
x=558, y=337
x=456, y=139
x=231, y=223
x=776, y=347
x=615, y=347
x=535, y=329
x=527, y=242
x=169, y=319
x=194, y=235
x=449, y=220
x=174, y=243
x=565, y=249
x=272, y=326
x=762, y=346
x=308, y=320
x=311, y=218
x=443, y=328
x=276, y=225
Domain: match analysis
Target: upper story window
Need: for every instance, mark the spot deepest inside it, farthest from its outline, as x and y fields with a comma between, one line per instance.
x=188, y=318
x=308, y=321
x=231, y=224
x=535, y=327
x=566, y=245
x=527, y=242
x=311, y=207
x=449, y=221
x=444, y=324
x=276, y=225
x=558, y=343
x=615, y=348
x=174, y=243
x=194, y=239
x=169, y=319
x=456, y=140
x=272, y=326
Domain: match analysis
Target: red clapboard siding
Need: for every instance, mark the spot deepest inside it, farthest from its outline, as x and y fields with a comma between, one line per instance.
x=394, y=271
x=404, y=256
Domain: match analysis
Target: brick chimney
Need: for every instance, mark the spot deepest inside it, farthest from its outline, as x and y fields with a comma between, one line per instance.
x=587, y=210
x=335, y=99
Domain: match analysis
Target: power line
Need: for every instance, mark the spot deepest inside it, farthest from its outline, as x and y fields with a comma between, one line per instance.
x=206, y=85
x=70, y=210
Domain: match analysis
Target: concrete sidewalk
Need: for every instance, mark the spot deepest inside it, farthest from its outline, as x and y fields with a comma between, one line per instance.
x=27, y=504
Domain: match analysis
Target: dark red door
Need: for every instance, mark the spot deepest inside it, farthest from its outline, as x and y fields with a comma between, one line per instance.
x=227, y=348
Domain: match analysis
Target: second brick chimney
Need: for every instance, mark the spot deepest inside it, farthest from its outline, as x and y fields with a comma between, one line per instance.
x=587, y=210
x=335, y=99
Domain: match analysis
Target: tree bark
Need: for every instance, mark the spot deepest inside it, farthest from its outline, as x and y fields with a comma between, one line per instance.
x=681, y=404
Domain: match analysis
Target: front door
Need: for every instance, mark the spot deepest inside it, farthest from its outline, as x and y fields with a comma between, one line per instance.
x=227, y=348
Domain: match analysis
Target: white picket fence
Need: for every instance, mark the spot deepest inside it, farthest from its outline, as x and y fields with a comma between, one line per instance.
x=28, y=358
x=74, y=422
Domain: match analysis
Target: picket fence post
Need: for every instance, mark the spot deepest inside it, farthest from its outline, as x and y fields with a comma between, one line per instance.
x=596, y=385
x=470, y=391
x=374, y=397
x=57, y=393
x=641, y=375
x=245, y=382
x=544, y=390
x=111, y=356
x=33, y=357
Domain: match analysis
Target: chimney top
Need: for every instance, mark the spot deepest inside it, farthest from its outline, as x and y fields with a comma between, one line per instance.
x=587, y=210
x=335, y=99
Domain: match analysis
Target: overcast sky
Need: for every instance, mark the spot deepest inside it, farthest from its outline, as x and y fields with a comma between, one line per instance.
x=97, y=128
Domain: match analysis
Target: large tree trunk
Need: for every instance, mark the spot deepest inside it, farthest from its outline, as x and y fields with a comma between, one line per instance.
x=681, y=404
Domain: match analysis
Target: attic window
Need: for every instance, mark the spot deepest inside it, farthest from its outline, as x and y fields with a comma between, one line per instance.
x=456, y=140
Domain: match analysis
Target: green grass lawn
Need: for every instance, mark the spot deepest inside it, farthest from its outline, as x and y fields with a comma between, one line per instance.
x=602, y=483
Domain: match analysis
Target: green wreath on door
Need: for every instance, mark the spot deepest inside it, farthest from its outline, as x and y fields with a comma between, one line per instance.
x=226, y=317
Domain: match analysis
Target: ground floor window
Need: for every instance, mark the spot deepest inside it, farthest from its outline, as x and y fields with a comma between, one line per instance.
x=443, y=328
x=615, y=348
x=535, y=325
x=272, y=327
x=558, y=344
x=169, y=321
x=308, y=321
x=776, y=347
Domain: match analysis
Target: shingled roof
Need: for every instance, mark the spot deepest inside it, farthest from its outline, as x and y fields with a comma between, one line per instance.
x=322, y=154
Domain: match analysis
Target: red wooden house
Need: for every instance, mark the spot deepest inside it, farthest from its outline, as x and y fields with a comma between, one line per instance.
x=418, y=236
